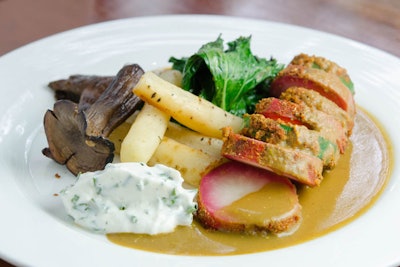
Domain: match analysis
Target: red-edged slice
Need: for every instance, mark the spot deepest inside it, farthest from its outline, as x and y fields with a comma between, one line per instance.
x=325, y=65
x=314, y=100
x=292, y=163
x=236, y=197
x=292, y=136
x=327, y=84
x=331, y=128
x=274, y=108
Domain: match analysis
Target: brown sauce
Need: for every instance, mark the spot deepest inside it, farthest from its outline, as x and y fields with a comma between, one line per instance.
x=343, y=196
x=258, y=207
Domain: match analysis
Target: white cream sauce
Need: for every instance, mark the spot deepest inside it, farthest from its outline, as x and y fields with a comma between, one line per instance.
x=130, y=198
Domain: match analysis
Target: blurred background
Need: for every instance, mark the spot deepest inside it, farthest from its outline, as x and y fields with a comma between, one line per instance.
x=373, y=22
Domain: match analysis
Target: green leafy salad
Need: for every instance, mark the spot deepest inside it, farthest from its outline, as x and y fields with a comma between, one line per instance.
x=232, y=78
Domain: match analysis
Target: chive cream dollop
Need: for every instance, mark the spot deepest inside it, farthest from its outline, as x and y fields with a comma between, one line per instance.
x=130, y=197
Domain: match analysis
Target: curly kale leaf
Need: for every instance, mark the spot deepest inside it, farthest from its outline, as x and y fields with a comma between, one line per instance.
x=233, y=78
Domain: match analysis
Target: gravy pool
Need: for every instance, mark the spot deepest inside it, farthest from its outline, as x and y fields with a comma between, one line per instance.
x=344, y=195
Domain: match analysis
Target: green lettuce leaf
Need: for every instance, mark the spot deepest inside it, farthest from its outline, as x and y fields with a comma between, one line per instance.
x=233, y=78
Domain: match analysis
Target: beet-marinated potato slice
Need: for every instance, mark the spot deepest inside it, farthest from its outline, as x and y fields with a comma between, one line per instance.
x=327, y=125
x=327, y=84
x=291, y=163
x=236, y=197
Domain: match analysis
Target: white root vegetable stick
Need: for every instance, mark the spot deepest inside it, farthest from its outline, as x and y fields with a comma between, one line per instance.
x=190, y=110
x=145, y=135
x=209, y=145
x=190, y=162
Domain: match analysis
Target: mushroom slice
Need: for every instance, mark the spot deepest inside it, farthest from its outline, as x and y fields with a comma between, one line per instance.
x=84, y=89
x=78, y=138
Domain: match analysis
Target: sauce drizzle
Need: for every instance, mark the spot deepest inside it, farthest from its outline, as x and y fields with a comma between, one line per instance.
x=345, y=194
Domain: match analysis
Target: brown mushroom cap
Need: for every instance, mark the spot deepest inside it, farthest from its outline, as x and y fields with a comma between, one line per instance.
x=77, y=137
x=68, y=143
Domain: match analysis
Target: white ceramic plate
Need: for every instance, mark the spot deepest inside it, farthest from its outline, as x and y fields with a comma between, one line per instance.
x=33, y=229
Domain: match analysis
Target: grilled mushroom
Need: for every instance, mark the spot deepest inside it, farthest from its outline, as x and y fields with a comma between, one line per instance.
x=82, y=89
x=77, y=137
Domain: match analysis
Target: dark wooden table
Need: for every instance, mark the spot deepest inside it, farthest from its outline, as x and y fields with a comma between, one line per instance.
x=376, y=23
